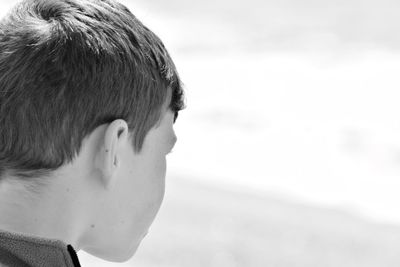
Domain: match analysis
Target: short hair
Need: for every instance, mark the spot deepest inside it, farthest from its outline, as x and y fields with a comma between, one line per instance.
x=67, y=67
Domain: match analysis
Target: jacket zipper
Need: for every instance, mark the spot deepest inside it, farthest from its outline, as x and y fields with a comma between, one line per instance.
x=74, y=256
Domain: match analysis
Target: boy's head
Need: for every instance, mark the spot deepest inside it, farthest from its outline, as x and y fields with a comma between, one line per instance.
x=87, y=92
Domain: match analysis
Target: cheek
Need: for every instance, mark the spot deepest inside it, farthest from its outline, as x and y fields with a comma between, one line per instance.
x=159, y=182
x=163, y=166
x=162, y=170
x=159, y=168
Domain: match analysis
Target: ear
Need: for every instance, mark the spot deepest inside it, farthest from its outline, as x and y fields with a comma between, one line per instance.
x=107, y=159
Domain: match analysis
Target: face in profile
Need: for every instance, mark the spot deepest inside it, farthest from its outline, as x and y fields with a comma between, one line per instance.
x=130, y=206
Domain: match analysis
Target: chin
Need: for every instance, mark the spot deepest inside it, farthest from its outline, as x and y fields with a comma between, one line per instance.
x=114, y=255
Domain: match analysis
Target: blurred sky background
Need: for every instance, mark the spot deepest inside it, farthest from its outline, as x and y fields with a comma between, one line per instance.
x=288, y=152
x=295, y=98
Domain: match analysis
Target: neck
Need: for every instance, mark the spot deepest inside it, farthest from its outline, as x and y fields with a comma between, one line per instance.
x=48, y=215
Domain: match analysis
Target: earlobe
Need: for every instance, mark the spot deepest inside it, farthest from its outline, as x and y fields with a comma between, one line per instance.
x=116, y=131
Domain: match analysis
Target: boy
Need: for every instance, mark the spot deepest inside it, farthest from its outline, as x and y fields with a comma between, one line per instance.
x=88, y=98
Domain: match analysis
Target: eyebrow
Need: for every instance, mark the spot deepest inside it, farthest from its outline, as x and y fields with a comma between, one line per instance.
x=175, y=115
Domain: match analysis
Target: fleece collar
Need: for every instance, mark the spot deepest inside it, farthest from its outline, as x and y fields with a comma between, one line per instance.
x=17, y=249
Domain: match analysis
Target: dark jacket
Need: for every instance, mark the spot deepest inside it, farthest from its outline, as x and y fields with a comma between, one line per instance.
x=21, y=250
